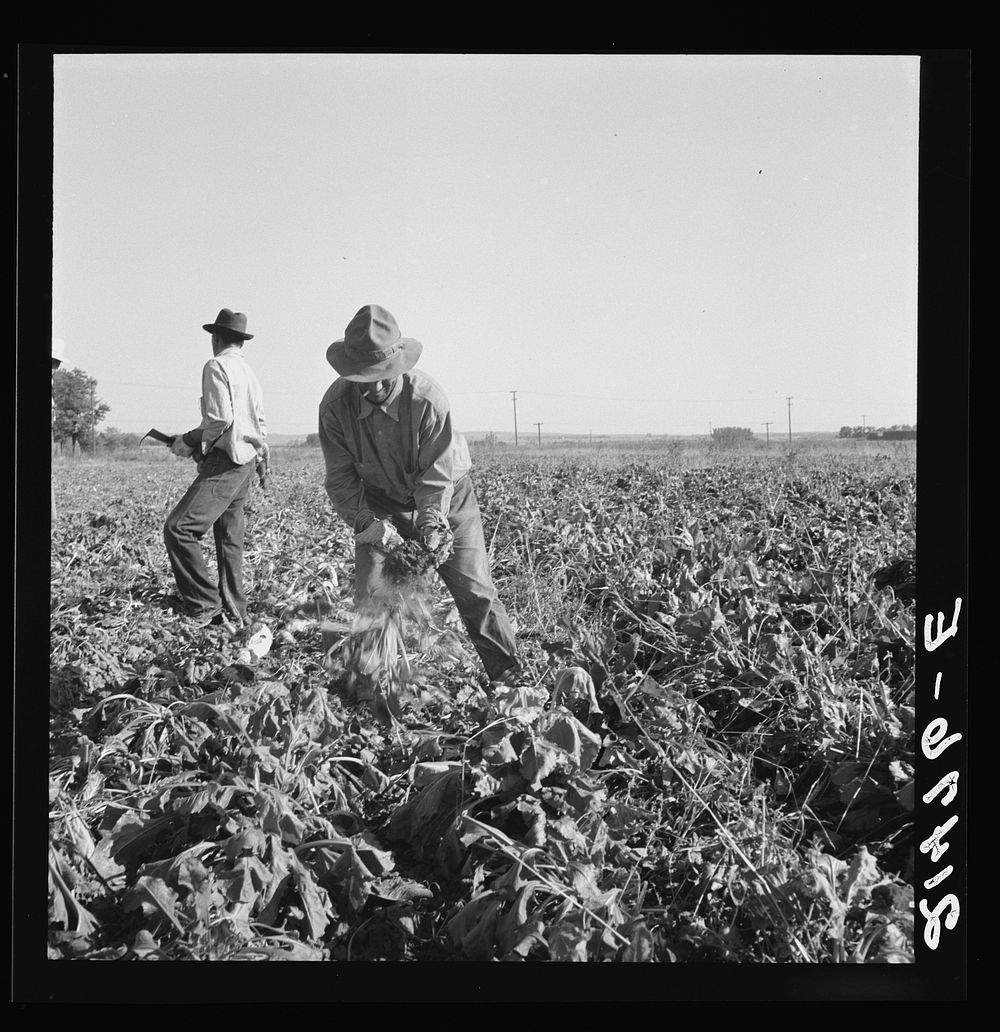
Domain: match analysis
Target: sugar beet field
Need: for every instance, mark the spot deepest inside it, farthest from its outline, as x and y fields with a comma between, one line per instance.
x=709, y=759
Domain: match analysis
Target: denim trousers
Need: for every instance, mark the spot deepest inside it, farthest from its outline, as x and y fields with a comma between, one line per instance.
x=216, y=500
x=466, y=574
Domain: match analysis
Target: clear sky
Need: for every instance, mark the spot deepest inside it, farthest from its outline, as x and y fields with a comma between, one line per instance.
x=633, y=243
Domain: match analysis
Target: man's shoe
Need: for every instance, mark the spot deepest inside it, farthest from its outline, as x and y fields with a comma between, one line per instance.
x=239, y=625
x=510, y=678
x=211, y=618
x=232, y=624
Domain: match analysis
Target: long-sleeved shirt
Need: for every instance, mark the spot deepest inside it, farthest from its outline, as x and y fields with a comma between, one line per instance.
x=403, y=453
x=232, y=410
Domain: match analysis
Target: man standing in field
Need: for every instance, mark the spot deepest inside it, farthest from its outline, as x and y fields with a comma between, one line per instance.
x=228, y=444
x=396, y=468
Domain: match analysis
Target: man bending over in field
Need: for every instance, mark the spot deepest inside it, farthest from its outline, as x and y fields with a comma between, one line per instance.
x=228, y=443
x=395, y=468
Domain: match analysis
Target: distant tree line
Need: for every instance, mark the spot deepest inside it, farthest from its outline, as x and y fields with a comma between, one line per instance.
x=109, y=440
x=896, y=432
x=731, y=436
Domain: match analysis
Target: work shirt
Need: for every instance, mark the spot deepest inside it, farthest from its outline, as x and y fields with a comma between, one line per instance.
x=232, y=413
x=401, y=455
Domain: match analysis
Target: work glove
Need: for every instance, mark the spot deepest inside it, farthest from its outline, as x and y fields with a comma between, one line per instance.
x=379, y=534
x=180, y=449
x=436, y=535
x=363, y=520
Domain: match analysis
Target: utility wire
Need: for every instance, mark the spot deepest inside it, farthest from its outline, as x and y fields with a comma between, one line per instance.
x=462, y=394
x=180, y=387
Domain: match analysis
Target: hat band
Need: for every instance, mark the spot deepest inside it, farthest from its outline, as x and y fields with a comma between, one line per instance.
x=373, y=354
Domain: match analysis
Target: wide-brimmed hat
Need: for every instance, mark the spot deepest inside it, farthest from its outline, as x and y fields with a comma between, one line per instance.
x=231, y=322
x=58, y=350
x=372, y=347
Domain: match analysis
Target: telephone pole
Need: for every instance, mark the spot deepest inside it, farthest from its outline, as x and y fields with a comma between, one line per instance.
x=864, y=429
x=767, y=430
x=539, y=425
x=93, y=423
x=513, y=395
x=788, y=398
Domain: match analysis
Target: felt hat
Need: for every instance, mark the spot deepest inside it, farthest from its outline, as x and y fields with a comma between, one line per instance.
x=227, y=321
x=372, y=347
